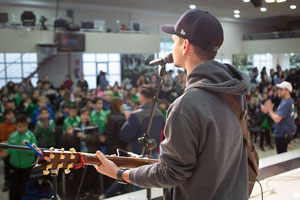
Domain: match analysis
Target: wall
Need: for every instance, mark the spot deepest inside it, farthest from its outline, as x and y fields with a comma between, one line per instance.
x=15, y=40
x=276, y=46
x=57, y=68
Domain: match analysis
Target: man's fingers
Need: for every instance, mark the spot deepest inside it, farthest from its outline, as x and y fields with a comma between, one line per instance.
x=100, y=156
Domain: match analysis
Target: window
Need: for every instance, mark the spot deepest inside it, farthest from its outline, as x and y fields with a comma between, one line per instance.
x=263, y=60
x=17, y=66
x=93, y=63
x=166, y=47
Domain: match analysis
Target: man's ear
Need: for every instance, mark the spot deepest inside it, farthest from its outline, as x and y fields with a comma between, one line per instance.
x=186, y=45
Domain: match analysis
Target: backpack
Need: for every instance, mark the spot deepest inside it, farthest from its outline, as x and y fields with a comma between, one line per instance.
x=252, y=154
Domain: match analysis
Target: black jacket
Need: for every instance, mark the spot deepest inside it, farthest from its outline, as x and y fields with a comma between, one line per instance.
x=114, y=123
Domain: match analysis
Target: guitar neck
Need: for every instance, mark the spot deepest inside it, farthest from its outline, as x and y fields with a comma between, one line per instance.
x=123, y=162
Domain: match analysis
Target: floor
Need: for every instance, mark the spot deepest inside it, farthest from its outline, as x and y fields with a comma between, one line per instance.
x=295, y=144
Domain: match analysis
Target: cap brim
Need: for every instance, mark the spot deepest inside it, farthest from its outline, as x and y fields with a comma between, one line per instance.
x=279, y=85
x=168, y=29
x=282, y=87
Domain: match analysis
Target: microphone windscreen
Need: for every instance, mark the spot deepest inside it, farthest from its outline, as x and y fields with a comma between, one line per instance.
x=169, y=58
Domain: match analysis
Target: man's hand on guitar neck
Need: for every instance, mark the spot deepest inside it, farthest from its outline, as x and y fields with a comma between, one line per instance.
x=109, y=168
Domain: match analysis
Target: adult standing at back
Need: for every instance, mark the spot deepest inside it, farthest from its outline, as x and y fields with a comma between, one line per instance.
x=284, y=119
x=137, y=123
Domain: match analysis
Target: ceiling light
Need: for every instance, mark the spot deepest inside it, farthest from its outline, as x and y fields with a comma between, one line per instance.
x=292, y=54
x=236, y=12
x=293, y=7
x=263, y=9
x=236, y=16
x=246, y=1
x=192, y=6
x=280, y=1
x=270, y=1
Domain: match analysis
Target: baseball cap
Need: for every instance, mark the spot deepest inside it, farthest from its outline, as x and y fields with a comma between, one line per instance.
x=199, y=27
x=285, y=85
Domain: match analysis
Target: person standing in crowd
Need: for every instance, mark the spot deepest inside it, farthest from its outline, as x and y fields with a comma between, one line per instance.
x=115, y=121
x=137, y=123
x=20, y=161
x=133, y=94
x=194, y=160
x=293, y=78
x=265, y=125
x=82, y=84
x=101, y=80
x=98, y=115
x=68, y=83
x=86, y=138
x=32, y=103
x=6, y=128
x=70, y=123
x=107, y=96
x=42, y=103
x=45, y=130
x=284, y=120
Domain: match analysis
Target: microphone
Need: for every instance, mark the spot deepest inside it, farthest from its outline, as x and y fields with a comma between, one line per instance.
x=162, y=61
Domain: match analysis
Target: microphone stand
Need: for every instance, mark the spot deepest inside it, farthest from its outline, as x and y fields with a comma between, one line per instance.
x=148, y=143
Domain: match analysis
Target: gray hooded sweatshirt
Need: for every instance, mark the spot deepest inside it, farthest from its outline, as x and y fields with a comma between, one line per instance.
x=203, y=155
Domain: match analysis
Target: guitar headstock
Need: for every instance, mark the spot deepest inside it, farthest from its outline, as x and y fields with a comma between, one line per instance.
x=56, y=159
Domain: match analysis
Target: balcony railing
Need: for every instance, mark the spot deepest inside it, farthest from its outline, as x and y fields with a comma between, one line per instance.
x=272, y=35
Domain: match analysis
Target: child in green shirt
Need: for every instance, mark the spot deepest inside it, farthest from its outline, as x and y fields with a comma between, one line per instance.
x=20, y=160
x=45, y=130
x=72, y=120
x=99, y=116
x=163, y=105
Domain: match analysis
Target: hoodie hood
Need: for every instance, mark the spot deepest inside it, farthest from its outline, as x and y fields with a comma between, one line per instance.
x=217, y=77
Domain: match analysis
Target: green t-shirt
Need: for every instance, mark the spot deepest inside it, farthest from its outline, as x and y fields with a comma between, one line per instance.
x=18, y=100
x=134, y=98
x=71, y=122
x=164, y=113
x=21, y=158
x=30, y=108
x=99, y=119
x=45, y=135
x=265, y=124
x=117, y=95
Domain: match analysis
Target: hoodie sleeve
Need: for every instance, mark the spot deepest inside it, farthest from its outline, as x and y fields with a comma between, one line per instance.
x=178, y=155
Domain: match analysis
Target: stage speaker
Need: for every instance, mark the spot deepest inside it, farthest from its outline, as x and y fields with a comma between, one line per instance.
x=256, y=3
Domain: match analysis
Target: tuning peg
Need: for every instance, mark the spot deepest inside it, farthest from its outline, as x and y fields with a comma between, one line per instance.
x=67, y=171
x=62, y=156
x=46, y=171
x=51, y=155
x=60, y=165
x=72, y=150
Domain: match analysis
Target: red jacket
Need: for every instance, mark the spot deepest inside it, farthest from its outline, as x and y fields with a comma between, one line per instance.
x=6, y=128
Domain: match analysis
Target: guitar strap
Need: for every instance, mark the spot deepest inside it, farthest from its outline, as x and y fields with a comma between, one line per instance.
x=252, y=154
